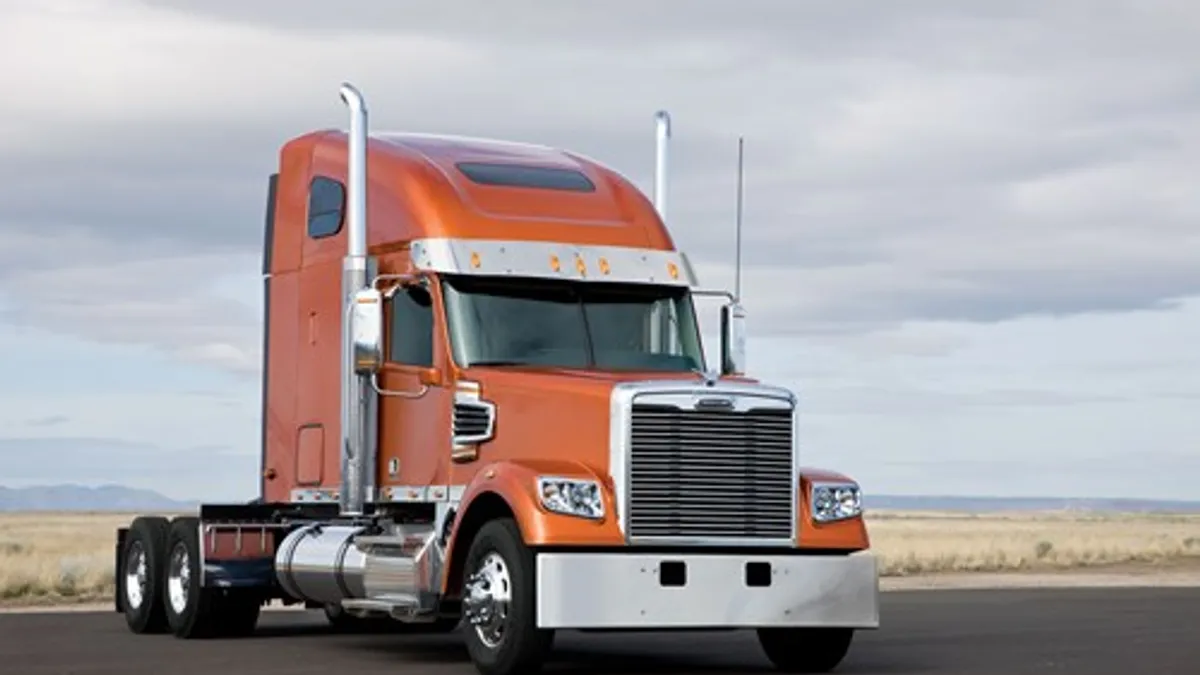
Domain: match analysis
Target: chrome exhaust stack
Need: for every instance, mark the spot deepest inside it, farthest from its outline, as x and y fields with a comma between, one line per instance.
x=355, y=390
x=662, y=136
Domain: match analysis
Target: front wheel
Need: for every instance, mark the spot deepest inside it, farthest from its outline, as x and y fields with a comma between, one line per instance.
x=499, y=623
x=805, y=650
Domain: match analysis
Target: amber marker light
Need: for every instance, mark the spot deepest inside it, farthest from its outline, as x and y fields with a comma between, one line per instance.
x=604, y=269
x=554, y=264
x=475, y=261
x=673, y=270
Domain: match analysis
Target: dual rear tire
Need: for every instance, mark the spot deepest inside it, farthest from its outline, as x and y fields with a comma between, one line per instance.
x=159, y=587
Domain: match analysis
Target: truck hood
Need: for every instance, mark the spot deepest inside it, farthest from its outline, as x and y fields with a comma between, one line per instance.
x=555, y=413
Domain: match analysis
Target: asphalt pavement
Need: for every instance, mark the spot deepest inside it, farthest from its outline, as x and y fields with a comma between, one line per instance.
x=1002, y=632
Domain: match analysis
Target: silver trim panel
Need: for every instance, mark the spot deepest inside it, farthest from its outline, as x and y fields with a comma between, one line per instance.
x=576, y=262
x=574, y=590
x=392, y=493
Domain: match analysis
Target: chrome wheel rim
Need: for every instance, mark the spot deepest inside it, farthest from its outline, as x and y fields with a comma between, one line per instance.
x=179, y=577
x=135, y=575
x=487, y=600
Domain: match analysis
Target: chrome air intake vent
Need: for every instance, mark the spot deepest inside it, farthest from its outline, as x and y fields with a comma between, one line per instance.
x=711, y=473
x=473, y=422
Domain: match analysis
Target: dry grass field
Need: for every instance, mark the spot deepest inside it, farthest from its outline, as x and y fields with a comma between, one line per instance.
x=68, y=558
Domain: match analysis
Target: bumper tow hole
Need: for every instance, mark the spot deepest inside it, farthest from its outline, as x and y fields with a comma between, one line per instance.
x=672, y=573
x=758, y=574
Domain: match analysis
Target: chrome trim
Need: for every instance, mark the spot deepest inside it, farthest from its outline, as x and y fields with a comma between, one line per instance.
x=662, y=135
x=391, y=493
x=311, y=495
x=574, y=590
x=420, y=493
x=400, y=568
x=355, y=411
x=533, y=259
x=469, y=394
x=687, y=394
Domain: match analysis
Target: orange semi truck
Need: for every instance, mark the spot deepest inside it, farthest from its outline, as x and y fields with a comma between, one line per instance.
x=486, y=405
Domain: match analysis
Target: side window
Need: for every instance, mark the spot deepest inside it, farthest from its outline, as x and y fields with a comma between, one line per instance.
x=410, y=339
x=326, y=206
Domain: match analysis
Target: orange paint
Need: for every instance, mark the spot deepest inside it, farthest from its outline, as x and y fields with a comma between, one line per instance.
x=848, y=534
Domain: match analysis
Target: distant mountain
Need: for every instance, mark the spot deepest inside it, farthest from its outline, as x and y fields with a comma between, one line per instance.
x=993, y=504
x=81, y=498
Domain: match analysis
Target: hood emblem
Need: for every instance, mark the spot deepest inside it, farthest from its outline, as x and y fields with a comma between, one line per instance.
x=714, y=403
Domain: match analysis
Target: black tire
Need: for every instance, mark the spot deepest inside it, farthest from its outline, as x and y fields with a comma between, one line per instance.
x=145, y=544
x=205, y=612
x=523, y=647
x=805, y=650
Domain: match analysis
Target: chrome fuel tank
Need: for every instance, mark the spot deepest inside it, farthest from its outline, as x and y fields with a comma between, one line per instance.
x=398, y=570
x=321, y=563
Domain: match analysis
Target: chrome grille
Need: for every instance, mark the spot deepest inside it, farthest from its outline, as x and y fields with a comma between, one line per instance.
x=710, y=474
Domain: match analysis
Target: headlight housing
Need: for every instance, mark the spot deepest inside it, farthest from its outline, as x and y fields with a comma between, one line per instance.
x=571, y=496
x=831, y=502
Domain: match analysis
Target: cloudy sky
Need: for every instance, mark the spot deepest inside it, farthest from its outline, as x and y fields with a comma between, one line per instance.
x=972, y=228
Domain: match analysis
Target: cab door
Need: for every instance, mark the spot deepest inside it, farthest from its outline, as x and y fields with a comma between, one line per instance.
x=415, y=406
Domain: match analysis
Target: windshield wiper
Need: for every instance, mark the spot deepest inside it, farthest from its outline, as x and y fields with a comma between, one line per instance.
x=500, y=362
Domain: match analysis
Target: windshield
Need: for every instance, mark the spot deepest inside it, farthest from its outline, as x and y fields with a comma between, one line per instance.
x=602, y=326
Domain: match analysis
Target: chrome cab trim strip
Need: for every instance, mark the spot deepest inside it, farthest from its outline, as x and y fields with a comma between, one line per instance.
x=553, y=260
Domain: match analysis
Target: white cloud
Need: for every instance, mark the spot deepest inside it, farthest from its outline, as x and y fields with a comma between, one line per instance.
x=921, y=180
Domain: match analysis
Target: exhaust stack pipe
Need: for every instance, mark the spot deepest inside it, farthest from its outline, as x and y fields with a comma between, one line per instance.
x=356, y=198
x=662, y=135
x=354, y=400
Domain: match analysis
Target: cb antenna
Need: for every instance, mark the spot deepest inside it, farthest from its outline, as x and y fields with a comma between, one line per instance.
x=737, y=268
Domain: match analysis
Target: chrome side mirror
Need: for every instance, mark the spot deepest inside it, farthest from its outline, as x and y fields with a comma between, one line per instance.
x=733, y=339
x=366, y=330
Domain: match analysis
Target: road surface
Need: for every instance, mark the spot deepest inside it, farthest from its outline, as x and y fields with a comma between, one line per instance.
x=1005, y=632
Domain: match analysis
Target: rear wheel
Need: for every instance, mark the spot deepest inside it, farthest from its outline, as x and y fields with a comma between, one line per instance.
x=499, y=623
x=805, y=650
x=139, y=579
x=192, y=610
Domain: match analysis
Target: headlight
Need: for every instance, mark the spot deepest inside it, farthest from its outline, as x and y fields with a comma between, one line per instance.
x=571, y=496
x=835, y=501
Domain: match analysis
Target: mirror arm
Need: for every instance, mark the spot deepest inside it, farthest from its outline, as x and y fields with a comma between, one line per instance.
x=714, y=294
x=402, y=394
x=403, y=279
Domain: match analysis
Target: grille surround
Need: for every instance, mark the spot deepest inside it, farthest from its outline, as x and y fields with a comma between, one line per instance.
x=690, y=473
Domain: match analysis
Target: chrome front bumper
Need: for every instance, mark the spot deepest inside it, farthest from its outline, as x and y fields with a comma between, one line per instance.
x=626, y=590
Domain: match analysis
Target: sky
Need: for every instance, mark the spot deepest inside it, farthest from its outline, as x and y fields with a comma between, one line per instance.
x=971, y=245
